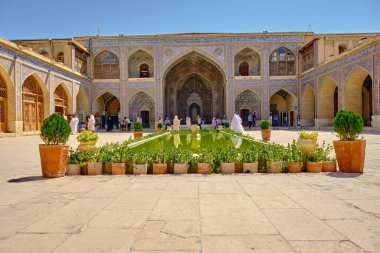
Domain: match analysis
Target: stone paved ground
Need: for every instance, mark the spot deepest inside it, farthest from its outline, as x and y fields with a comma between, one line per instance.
x=188, y=213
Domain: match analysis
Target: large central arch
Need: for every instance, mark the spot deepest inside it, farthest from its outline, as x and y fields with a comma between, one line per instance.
x=194, y=85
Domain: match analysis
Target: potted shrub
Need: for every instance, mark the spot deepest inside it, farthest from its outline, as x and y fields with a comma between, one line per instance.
x=140, y=160
x=87, y=140
x=55, y=132
x=307, y=141
x=328, y=162
x=265, y=130
x=93, y=165
x=159, y=127
x=105, y=156
x=138, y=127
x=273, y=153
x=314, y=161
x=227, y=124
x=204, y=160
x=293, y=158
x=226, y=158
x=118, y=166
x=349, y=151
x=250, y=158
x=181, y=161
x=74, y=162
x=159, y=163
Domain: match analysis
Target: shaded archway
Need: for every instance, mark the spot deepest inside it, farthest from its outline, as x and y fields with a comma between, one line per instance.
x=327, y=102
x=142, y=105
x=108, y=106
x=194, y=79
x=138, y=62
x=247, y=63
x=283, y=105
x=82, y=105
x=307, y=106
x=358, y=94
x=61, y=100
x=35, y=103
x=246, y=102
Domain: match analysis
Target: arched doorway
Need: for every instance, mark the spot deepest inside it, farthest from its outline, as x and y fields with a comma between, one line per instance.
x=61, y=101
x=247, y=63
x=307, y=106
x=327, y=102
x=32, y=104
x=194, y=111
x=358, y=94
x=246, y=102
x=282, y=107
x=108, y=106
x=3, y=105
x=142, y=105
x=194, y=79
x=82, y=104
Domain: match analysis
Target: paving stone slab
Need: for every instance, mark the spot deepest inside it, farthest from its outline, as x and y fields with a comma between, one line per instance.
x=325, y=247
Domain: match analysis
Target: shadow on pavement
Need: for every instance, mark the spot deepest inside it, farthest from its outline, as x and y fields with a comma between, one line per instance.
x=344, y=175
x=26, y=179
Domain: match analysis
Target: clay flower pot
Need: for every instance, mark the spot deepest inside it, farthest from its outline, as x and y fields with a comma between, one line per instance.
x=227, y=168
x=129, y=168
x=118, y=168
x=92, y=169
x=87, y=145
x=160, y=168
x=203, y=168
x=329, y=166
x=251, y=167
x=314, y=167
x=265, y=134
x=239, y=168
x=137, y=134
x=274, y=167
x=140, y=169
x=107, y=169
x=350, y=155
x=307, y=145
x=180, y=168
x=53, y=160
x=294, y=167
x=73, y=169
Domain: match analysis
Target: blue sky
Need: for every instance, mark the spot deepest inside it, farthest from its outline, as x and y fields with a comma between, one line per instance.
x=61, y=19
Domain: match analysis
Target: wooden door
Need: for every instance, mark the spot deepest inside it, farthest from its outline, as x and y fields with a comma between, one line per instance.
x=32, y=103
x=291, y=118
x=145, y=119
x=244, y=116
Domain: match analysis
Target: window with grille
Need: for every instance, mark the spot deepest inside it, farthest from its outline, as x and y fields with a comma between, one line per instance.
x=106, y=66
x=282, y=63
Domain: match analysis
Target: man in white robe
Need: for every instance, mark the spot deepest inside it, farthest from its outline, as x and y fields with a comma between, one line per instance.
x=236, y=124
x=74, y=124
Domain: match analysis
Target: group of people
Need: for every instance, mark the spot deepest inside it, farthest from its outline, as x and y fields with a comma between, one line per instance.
x=177, y=123
x=251, y=120
x=74, y=123
x=126, y=124
x=216, y=122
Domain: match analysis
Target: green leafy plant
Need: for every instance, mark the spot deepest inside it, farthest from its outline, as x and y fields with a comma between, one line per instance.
x=179, y=156
x=292, y=154
x=272, y=152
x=224, y=155
x=227, y=124
x=55, y=130
x=137, y=125
x=250, y=155
x=92, y=155
x=75, y=157
x=159, y=156
x=141, y=157
x=159, y=125
x=326, y=156
x=87, y=136
x=348, y=125
x=308, y=135
x=316, y=156
x=265, y=124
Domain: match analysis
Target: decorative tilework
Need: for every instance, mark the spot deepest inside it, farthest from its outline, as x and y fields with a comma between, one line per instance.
x=158, y=82
x=292, y=47
x=248, y=82
x=27, y=71
x=265, y=75
x=283, y=82
x=18, y=90
x=279, y=39
x=216, y=52
x=290, y=88
x=107, y=85
x=139, y=84
x=365, y=63
x=170, y=53
x=376, y=84
x=229, y=88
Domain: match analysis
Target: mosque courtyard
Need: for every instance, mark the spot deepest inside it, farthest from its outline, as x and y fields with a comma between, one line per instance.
x=324, y=212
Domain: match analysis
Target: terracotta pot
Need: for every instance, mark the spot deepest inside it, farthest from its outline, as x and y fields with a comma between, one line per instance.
x=118, y=168
x=53, y=160
x=107, y=169
x=87, y=145
x=93, y=169
x=251, y=167
x=203, y=168
x=307, y=145
x=160, y=168
x=73, y=169
x=350, y=155
x=238, y=167
x=274, y=167
x=265, y=134
x=329, y=166
x=314, y=167
x=294, y=167
x=140, y=169
x=137, y=134
x=180, y=168
x=129, y=168
x=227, y=168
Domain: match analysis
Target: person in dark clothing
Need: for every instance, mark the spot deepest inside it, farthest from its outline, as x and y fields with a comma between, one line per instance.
x=254, y=119
x=109, y=124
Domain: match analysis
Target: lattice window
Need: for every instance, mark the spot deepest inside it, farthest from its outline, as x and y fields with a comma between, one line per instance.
x=282, y=63
x=2, y=111
x=106, y=66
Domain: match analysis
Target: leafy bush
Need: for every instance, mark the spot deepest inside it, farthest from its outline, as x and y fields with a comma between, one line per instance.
x=348, y=125
x=159, y=157
x=316, y=156
x=75, y=157
x=265, y=124
x=91, y=155
x=250, y=155
x=55, y=130
x=273, y=152
x=141, y=157
x=308, y=135
x=326, y=152
x=87, y=136
x=227, y=124
x=293, y=154
x=225, y=155
x=159, y=125
x=137, y=125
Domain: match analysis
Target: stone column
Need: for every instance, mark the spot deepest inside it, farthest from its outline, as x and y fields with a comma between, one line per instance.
x=157, y=75
x=229, y=85
x=123, y=80
x=16, y=125
x=265, y=82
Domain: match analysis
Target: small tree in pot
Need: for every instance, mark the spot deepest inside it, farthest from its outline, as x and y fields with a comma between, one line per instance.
x=350, y=152
x=265, y=130
x=138, y=127
x=55, y=132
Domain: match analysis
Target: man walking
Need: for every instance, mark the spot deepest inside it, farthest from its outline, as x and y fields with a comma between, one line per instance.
x=250, y=120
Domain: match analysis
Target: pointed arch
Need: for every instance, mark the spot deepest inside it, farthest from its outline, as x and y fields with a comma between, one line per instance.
x=283, y=105
x=82, y=104
x=142, y=105
x=35, y=102
x=327, y=99
x=248, y=101
x=251, y=60
x=282, y=62
x=106, y=66
x=308, y=106
x=7, y=101
x=62, y=100
x=106, y=102
x=136, y=60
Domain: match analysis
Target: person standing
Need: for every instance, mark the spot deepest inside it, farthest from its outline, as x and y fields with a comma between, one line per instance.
x=176, y=123
x=199, y=120
x=128, y=124
x=224, y=120
x=254, y=119
x=74, y=124
x=167, y=123
x=91, y=123
x=213, y=123
x=109, y=124
x=188, y=122
x=250, y=120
